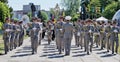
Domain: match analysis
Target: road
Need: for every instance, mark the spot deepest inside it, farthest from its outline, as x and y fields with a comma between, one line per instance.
x=49, y=53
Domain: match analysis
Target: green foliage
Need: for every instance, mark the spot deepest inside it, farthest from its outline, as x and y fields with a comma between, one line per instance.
x=72, y=7
x=29, y=15
x=93, y=8
x=110, y=10
x=11, y=10
x=4, y=11
x=43, y=15
x=1, y=25
x=4, y=1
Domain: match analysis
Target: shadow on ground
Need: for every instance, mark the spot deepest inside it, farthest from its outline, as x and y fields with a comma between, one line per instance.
x=24, y=51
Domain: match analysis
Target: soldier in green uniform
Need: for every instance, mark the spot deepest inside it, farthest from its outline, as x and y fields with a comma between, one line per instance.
x=49, y=31
x=68, y=34
x=89, y=36
x=12, y=34
x=97, y=33
x=21, y=35
x=40, y=32
x=115, y=30
x=77, y=33
x=6, y=34
x=34, y=35
x=59, y=35
x=108, y=34
x=102, y=35
x=17, y=34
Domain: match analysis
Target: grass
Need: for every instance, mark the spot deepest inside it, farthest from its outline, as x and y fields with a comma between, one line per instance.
x=119, y=44
x=1, y=45
x=1, y=48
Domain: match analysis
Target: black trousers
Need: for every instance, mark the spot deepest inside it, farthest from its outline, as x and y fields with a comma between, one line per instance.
x=43, y=34
x=53, y=35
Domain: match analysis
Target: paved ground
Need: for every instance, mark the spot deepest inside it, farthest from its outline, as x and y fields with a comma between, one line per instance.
x=48, y=53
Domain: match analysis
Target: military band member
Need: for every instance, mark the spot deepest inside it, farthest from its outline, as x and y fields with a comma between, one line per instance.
x=89, y=36
x=97, y=33
x=114, y=37
x=17, y=34
x=108, y=35
x=76, y=33
x=12, y=38
x=81, y=24
x=102, y=35
x=49, y=32
x=21, y=35
x=40, y=32
x=34, y=32
x=59, y=35
x=52, y=28
x=68, y=34
x=6, y=34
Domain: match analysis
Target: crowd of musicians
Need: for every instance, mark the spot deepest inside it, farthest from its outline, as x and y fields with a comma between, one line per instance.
x=87, y=33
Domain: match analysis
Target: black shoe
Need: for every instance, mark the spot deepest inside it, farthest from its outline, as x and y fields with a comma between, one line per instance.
x=101, y=48
x=81, y=48
x=87, y=53
x=5, y=52
x=63, y=50
x=66, y=54
x=112, y=52
x=97, y=46
x=60, y=53
x=33, y=53
x=90, y=50
x=107, y=50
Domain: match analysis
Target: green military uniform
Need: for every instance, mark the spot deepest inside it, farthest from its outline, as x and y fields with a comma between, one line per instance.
x=89, y=38
x=114, y=38
x=6, y=36
x=108, y=35
x=97, y=35
x=49, y=33
x=34, y=36
x=21, y=35
x=59, y=35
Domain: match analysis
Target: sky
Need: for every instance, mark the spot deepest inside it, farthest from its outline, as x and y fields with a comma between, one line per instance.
x=45, y=4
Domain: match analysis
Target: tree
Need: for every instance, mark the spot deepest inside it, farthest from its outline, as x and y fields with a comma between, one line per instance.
x=4, y=11
x=94, y=8
x=4, y=1
x=39, y=14
x=11, y=10
x=43, y=15
x=111, y=9
x=72, y=7
x=29, y=15
x=104, y=3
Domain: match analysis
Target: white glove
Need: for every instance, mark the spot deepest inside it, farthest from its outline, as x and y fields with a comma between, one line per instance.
x=34, y=28
x=7, y=30
x=18, y=29
x=115, y=31
x=78, y=34
x=90, y=31
x=60, y=29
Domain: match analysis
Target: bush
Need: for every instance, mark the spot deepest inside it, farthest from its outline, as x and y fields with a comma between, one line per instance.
x=111, y=9
x=4, y=11
x=1, y=25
